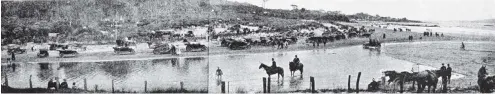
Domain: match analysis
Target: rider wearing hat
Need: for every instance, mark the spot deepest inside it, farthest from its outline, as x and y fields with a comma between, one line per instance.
x=296, y=60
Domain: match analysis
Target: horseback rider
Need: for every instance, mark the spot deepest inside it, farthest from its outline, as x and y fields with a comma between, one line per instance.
x=274, y=64
x=296, y=60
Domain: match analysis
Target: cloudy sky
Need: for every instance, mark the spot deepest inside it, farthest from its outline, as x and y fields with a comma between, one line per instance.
x=434, y=10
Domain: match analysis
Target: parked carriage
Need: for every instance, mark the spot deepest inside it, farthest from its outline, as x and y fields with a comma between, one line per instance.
x=123, y=50
x=43, y=53
x=372, y=44
x=68, y=53
x=16, y=49
x=239, y=45
x=162, y=49
x=195, y=47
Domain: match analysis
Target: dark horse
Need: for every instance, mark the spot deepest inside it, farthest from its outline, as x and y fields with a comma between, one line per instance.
x=294, y=67
x=486, y=83
x=271, y=71
x=400, y=78
x=424, y=78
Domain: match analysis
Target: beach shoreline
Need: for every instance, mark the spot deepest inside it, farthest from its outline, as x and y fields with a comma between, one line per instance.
x=214, y=50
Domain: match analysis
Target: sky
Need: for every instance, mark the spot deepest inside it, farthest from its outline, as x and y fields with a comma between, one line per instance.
x=426, y=10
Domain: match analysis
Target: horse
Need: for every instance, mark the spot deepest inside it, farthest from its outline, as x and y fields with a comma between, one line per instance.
x=401, y=77
x=426, y=78
x=293, y=67
x=271, y=71
x=485, y=83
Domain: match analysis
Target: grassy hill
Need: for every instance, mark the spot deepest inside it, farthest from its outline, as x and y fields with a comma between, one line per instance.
x=97, y=20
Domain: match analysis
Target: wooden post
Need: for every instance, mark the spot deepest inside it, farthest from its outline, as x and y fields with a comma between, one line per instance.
x=312, y=81
x=357, y=82
x=85, y=85
x=113, y=90
x=223, y=86
x=349, y=84
x=181, y=85
x=264, y=85
x=58, y=83
x=268, y=85
x=228, y=87
x=30, y=82
x=401, y=83
x=96, y=88
x=145, y=86
x=6, y=80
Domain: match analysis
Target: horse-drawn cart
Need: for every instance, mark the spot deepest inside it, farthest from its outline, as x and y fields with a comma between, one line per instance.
x=239, y=45
x=195, y=47
x=372, y=44
x=68, y=53
x=121, y=50
x=162, y=49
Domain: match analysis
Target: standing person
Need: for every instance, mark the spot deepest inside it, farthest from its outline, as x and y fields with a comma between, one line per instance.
x=74, y=85
x=449, y=73
x=286, y=44
x=52, y=84
x=443, y=71
x=64, y=84
x=219, y=73
x=384, y=36
x=274, y=64
x=462, y=46
x=12, y=53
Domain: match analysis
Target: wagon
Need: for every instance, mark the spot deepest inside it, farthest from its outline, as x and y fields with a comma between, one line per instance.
x=162, y=49
x=239, y=45
x=43, y=53
x=195, y=47
x=372, y=44
x=123, y=50
x=68, y=53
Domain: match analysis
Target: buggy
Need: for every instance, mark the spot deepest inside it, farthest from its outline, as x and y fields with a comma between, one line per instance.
x=239, y=45
x=195, y=47
x=43, y=53
x=68, y=53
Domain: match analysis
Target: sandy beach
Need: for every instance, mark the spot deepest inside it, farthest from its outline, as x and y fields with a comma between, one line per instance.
x=105, y=52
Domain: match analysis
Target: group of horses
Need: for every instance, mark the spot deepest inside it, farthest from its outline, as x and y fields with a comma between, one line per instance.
x=429, y=78
x=293, y=67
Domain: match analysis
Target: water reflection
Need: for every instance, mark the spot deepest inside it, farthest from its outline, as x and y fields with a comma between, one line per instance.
x=128, y=75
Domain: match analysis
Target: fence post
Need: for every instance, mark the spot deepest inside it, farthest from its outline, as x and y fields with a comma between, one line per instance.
x=349, y=84
x=58, y=83
x=357, y=82
x=264, y=85
x=85, y=85
x=312, y=80
x=268, y=85
x=223, y=86
x=30, y=82
x=6, y=80
x=113, y=90
x=181, y=85
x=228, y=87
x=145, y=86
x=96, y=88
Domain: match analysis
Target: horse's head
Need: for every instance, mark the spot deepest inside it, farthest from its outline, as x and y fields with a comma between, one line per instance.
x=262, y=66
x=482, y=72
x=390, y=73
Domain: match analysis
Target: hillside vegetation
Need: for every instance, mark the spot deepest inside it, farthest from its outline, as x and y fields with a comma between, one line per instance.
x=100, y=20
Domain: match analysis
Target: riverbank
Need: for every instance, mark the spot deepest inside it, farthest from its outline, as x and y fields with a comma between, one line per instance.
x=105, y=53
